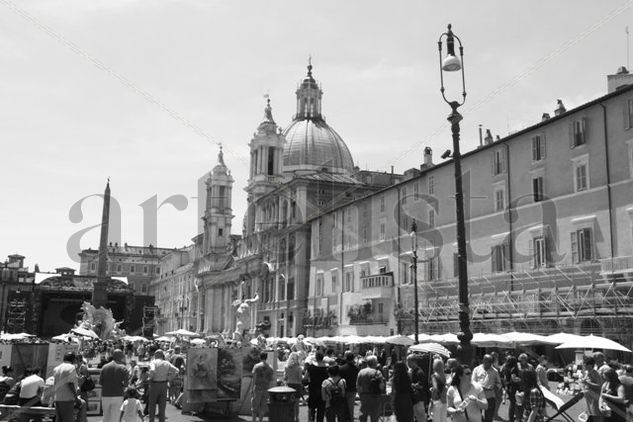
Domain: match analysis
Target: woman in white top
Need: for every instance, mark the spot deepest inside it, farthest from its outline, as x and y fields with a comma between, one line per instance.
x=465, y=400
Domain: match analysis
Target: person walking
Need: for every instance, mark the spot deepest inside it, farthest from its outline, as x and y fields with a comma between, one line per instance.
x=420, y=385
x=160, y=372
x=349, y=372
x=613, y=397
x=626, y=379
x=114, y=377
x=293, y=375
x=592, y=383
x=401, y=393
x=465, y=399
x=333, y=394
x=534, y=401
x=66, y=389
x=438, y=391
x=370, y=385
x=488, y=377
x=512, y=381
x=263, y=375
x=316, y=373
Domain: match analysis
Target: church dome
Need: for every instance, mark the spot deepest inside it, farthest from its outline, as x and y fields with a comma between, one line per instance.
x=311, y=144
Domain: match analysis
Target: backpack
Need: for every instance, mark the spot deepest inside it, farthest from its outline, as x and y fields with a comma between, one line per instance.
x=336, y=393
x=375, y=383
x=87, y=383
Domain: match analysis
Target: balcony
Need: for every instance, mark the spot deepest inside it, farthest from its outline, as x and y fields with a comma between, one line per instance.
x=620, y=264
x=377, y=286
x=368, y=319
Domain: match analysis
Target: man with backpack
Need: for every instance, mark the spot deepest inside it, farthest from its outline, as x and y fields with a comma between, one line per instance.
x=370, y=385
x=333, y=393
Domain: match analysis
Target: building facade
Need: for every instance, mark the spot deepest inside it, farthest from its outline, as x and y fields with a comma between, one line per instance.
x=139, y=264
x=549, y=221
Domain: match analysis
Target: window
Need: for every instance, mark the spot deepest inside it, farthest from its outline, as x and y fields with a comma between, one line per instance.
x=431, y=218
x=498, y=162
x=380, y=310
x=581, y=177
x=431, y=185
x=319, y=285
x=132, y=269
x=157, y=270
x=416, y=190
x=498, y=258
x=404, y=195
x=539, y=252
x=364, y=235
x=93, y=266
x=581, y=246
x=500, y=198
x=382, y=231
x=578, y=133
x=628, y=115
x=144, y=269
x=144, y=288
x=364, y=269
x=220, y=232
x=349, y=281
x=404, y=273
x=537, y=188
x=334, y=281
x=382, y=204
x=433, y=267
x=538, y=148
x=118, y=268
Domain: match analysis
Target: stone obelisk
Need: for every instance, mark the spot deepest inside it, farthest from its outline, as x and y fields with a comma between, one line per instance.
x=100, y=292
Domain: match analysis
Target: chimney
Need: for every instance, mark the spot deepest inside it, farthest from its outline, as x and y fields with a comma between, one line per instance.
x=544, y=117
x=428, y=157
x=560, y=108
x=481, y=137
x=621, y=79
x=497, y=138
x=488, y=138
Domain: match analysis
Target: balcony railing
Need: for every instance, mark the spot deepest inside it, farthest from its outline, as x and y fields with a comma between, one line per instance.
x=620, y=264
x=377, y=286
x=368, y=319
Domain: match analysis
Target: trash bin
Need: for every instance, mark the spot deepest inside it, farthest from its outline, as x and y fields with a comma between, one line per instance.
x=281, y=404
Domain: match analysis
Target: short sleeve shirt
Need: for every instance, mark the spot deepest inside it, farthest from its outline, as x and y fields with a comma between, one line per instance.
x=65, y=373
x=130, y=409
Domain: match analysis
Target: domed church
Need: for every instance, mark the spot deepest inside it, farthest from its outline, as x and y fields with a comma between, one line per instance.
x=295, y=174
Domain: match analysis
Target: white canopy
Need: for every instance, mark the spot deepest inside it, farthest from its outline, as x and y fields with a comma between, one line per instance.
x=593, y=342
x=181, y=332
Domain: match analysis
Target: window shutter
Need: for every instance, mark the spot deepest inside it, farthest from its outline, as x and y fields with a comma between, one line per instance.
x=438, y=271
x=493, y=260
x=534, y=148
x=543, y=147
x=588, y=245
x=493, y=163
x=531, y=253
x=585, y=126
x=572, y=145
x=574, y=248
x=625, y=115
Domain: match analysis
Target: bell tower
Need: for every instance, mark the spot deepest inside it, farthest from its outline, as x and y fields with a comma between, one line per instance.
x=265, y=165
x=218, y=214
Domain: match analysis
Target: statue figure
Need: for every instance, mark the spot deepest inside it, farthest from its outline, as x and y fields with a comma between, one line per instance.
x=243, y=313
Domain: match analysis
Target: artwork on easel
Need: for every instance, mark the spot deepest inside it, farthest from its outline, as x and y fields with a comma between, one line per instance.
x=202, y=368
x=229, y=373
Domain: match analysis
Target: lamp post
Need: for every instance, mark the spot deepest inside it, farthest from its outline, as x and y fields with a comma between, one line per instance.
x=453, y=64
x=414, y=266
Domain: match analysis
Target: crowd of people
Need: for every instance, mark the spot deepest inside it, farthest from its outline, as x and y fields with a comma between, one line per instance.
x=133, y=385
x=423, y=388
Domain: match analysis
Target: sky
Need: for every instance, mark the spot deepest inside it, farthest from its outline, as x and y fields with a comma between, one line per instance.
x=142, y=92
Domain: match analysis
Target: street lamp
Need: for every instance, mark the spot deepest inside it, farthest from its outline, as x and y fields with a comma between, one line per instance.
x=452, y=63
x=414, y=266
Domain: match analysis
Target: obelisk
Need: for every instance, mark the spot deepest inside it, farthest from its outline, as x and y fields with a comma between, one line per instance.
x=100, y=292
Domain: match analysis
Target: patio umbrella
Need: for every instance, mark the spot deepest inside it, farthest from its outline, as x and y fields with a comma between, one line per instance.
x=561, y=338
x=399, y=340
x=433, y=348
x=491, y=340
x=593, y=342
x=167, y=339
x=526, y=339
x=181, y=332
x=422, y=338
x=84, y=332
x=202, y=341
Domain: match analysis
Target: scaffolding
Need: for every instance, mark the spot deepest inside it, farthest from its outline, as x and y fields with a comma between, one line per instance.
x=592, y=298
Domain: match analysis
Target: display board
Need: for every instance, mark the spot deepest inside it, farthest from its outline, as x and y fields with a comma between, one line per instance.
x=56, y=352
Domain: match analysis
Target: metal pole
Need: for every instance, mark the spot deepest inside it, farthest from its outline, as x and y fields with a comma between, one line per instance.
x=414, y=258
x=465, y=335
